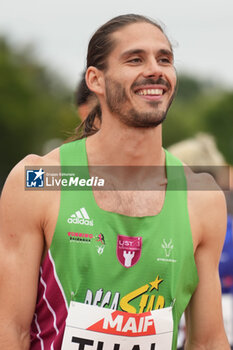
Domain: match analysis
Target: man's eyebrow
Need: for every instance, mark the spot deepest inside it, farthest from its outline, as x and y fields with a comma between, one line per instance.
x=141, y=51
x=132, y=52
x=166, y=52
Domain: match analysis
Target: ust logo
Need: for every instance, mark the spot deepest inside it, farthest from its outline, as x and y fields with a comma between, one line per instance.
x=128, y=250
x=35, y=178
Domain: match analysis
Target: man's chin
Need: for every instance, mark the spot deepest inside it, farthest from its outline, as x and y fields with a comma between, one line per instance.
x=144, y=120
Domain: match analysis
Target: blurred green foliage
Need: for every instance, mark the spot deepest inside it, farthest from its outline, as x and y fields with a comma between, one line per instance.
x=201, y=106
x=219, y=120
x=36, y=106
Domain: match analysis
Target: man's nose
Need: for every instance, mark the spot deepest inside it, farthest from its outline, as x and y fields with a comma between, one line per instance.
x=153, y=69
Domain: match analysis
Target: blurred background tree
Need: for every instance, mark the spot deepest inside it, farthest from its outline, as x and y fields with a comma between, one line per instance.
x=36, y=106
x=219, y=122
x=201, y=105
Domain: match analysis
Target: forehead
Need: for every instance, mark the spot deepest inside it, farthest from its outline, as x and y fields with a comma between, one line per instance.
x=143, y=36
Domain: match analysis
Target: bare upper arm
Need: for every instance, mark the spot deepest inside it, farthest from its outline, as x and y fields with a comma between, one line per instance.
x=21, y=248
x=204, y=313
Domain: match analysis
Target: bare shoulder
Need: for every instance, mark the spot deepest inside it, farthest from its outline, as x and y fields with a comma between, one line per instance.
x=16, y=200
x=204, y=191
x=51, y=158
x=207, y=206
x=17, y=173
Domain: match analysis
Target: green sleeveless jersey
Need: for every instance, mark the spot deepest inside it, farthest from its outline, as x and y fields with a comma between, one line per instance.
x=132, y=264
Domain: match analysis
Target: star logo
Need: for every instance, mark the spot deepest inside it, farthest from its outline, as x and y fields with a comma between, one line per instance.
x=39, y=174
x=155, y=284
x=35, y=178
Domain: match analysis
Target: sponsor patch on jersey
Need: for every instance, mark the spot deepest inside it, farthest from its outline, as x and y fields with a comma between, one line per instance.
x=128, y=250
x=80, y=237
x=100, y=243
x=80, y=217
x=167, y=246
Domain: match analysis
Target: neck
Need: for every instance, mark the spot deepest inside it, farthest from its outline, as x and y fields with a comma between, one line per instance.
x=118, y=144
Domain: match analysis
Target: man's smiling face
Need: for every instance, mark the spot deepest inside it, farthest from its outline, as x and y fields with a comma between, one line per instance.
x=140, y=79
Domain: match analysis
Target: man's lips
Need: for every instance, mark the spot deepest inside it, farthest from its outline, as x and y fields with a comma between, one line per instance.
x=151, y=90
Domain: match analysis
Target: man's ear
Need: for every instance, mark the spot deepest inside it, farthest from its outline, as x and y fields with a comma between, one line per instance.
x=94, y=80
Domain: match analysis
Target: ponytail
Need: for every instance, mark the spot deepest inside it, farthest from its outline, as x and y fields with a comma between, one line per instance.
x=88, y=127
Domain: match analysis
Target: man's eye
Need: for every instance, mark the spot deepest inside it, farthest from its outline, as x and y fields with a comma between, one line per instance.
x=135, y=60
x=165, y=60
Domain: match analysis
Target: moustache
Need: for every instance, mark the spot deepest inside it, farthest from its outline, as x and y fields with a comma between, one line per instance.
x=151, y=81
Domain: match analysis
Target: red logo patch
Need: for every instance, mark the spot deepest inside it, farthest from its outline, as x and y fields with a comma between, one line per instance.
x=128, y=250
x=126, y=324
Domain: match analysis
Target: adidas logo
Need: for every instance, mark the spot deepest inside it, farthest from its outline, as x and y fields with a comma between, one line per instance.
x=80, y=217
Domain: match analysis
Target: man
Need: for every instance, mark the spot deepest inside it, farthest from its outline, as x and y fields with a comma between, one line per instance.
x=154, y=253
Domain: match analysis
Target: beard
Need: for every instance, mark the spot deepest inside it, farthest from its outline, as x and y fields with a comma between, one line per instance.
x=117, y=99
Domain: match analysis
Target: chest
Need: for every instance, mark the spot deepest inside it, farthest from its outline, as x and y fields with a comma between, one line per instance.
x=131, y=203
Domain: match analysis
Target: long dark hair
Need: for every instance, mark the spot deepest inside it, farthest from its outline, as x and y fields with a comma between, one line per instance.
x=100, y=46
x=84, y=96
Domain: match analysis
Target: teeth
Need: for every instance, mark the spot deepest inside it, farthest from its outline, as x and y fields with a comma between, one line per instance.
x=150, y=92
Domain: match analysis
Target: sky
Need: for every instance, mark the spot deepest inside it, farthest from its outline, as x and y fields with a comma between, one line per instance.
x=200, y=30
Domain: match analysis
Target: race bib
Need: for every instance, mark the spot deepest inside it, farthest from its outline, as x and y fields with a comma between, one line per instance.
x=95, y=328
